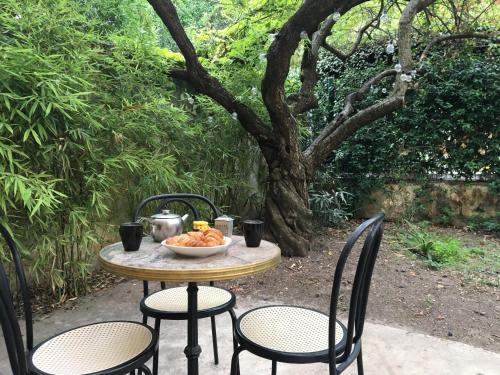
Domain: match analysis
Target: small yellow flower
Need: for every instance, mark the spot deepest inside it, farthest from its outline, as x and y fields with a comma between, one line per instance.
x=482, y=151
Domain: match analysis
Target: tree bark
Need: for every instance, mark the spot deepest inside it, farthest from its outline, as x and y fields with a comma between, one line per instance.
x=287, y=212
x=290, y=168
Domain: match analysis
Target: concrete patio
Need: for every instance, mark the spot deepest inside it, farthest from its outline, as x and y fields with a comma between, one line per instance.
x=387, y=350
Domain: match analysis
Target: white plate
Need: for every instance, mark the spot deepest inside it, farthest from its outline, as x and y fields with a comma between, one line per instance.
x=199, y=252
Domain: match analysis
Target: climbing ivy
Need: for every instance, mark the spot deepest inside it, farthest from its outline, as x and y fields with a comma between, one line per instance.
x=449, y=125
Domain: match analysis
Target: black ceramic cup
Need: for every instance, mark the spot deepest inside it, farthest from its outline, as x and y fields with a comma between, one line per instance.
x=131, y=235
x=253, y=229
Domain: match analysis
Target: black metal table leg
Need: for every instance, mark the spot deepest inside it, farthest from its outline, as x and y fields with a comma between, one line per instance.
x=192, y=349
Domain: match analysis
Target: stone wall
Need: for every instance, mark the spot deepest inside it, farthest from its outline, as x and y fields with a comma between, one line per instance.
x=455, y=201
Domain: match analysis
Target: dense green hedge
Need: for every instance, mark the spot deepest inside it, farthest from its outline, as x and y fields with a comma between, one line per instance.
x=448, y=126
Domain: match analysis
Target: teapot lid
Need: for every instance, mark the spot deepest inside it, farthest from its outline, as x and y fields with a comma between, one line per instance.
x=165, y=214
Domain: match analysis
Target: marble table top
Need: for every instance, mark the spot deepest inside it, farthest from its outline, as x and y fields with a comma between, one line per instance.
x=154, y=262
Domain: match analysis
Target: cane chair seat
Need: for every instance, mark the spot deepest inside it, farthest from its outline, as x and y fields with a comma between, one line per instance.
x=296, y=334
x=93, y=348
x=175, y=301
x=290, y=330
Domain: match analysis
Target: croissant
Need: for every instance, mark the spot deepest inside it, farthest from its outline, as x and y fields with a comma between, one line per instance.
x=214, y=233
x=193, y=243
x=207, y=238
x=172, y=240
x=210, y=243
x=196, y=235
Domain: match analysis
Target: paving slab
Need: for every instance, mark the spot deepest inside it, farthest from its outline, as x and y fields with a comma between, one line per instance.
x=386, y=350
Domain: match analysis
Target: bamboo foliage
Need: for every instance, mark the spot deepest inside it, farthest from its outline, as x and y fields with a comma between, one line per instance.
x=90, y=121
x=79, y=126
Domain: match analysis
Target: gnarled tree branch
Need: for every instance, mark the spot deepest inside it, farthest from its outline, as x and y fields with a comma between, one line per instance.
x=404, y=41
x=330, y=138
x=346, y=123
x=198, y=77
x=306, y=18
x=305, y=99
x=349, y=126
x=290, y=169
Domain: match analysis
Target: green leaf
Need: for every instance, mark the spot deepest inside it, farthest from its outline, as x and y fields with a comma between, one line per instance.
x=35, y=136
x=48, y=109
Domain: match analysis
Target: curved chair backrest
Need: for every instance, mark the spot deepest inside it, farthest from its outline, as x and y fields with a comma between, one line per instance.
x=360, y=289
x=165, y=200
x=184, y=198
x=10, y=326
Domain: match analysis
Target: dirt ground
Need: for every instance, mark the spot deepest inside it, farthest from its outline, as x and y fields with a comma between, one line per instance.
x=404, y=292
x=458, y=303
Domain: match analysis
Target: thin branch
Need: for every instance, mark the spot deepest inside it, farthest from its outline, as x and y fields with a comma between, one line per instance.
x=418, y=31
x=435, y=15
x=396, y=3
x=387, y=32
x=493, y=2
x=373, y=22
x=468, y=35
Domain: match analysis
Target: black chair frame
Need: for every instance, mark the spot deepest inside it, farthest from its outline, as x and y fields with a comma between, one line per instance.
x=159, y=315
x=20, y=358
x=176, y=197
x=166, y=199
x=339, y=356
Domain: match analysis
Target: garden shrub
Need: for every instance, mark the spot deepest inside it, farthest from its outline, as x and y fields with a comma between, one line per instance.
x=447, y=126
x=72, y=135
x=437, y=251
x=329, y=201
x=89, y=119
x=478, y=223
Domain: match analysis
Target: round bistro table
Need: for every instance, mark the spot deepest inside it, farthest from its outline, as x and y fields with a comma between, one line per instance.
x=154, y=262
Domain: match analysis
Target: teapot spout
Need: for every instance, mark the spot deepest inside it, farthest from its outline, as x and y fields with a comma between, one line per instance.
x=185, y=217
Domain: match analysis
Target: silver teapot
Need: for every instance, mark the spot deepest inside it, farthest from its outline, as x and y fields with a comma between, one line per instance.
x=166, y=225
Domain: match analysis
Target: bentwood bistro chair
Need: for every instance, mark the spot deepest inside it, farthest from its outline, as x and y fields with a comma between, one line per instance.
x=295, y=334
x=112, y=348
x=172, y=303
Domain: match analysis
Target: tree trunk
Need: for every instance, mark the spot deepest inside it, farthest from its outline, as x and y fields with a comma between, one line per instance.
x=287, y=209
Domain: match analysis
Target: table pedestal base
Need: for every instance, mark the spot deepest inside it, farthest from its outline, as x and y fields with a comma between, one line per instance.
x=192, y=349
